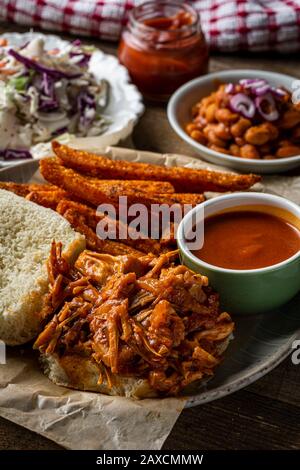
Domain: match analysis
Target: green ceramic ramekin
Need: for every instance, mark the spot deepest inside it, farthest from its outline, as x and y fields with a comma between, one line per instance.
x=246, y=291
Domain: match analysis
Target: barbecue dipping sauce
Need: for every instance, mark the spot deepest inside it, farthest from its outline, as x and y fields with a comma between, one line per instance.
x=247, y=240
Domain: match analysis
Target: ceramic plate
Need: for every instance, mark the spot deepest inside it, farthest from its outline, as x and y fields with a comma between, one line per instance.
x=260, y=342
x=125, y=104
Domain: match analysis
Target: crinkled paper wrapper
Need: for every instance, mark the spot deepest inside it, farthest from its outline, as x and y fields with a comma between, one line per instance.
x=83, y=420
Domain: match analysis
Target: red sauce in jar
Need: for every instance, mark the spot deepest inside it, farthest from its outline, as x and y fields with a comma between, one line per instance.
x=182, y=18
x=163, y=47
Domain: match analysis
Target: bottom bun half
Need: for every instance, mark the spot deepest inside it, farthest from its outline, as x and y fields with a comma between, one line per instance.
x=82, y=373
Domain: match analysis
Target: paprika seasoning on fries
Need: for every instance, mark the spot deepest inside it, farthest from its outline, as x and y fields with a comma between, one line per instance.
x=183, y=179
x=78, y=182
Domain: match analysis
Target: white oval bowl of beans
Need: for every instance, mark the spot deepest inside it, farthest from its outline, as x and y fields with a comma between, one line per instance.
x=259, y=132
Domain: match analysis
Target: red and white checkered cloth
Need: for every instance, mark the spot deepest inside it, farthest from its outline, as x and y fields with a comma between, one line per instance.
x=229, y=25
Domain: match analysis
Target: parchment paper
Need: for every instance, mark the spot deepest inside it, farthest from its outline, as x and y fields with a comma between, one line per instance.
x=82, y=420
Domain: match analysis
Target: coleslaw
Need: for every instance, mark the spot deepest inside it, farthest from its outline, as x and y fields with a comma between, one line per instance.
x=44, y=94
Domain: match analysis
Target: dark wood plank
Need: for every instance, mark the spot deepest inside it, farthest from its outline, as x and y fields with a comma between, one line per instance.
x=283, y=384
x=242, y=421
x=249, y=419
x=14, y=437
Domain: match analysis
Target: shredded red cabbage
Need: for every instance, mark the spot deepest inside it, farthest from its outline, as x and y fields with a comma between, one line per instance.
x=85, y=58
x=12, y=154
x=47, y=85
x=48, y=104
x=60, y=131
x=32, y=64
x=24, y=45
x=47, y=99
x=85, y=101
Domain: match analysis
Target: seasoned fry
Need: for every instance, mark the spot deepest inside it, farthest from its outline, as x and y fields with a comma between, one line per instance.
x=183, y=179
x=184, y=198
x=22, y=189
x=93, y=242
x=97, y=192
x=148, y=186
x=90, y=214
x=49, y=199
x=152, y=187
x=116, y=187
x=91, y=219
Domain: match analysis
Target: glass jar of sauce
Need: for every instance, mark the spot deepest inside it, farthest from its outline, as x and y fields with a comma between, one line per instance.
x=163, y=47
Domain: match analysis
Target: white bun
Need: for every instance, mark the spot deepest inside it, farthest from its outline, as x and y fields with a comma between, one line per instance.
x=82, y=373
x=26, y=233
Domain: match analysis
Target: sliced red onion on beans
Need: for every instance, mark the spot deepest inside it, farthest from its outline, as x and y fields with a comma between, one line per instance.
x=266, y=107
x=11, y=154
x=278, y=92
x=246, y=81
x=229, y=88
x=242, y=104
x=259, y=84
x=252, y=82
x=260, y=91
x=258, y=87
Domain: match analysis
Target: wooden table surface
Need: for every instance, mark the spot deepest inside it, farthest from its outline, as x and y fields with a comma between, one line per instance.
x=266, y=414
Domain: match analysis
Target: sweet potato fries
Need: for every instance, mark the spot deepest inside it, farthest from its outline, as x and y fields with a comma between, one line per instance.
x=97, y=191
x=79, y=182
x=183, y=179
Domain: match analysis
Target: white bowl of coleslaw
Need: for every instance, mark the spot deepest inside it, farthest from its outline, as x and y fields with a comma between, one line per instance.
x=51, y=88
